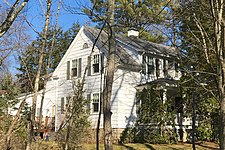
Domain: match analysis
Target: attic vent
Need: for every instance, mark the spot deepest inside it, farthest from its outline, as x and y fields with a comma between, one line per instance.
x=85, y=45
x=133, y=32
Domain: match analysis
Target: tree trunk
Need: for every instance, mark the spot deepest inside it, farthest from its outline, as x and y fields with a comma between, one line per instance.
x=47, y=72
x=68, y=134
x=217, y=14
x=6, y=139
x=109, y=79
x=193, y=119
x=40, y=63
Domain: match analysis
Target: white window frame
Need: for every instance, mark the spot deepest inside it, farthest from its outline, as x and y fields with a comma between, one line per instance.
x=95, y=100
x=150, y=64
x=85, y=45
x=74, y=65
x=96, y=61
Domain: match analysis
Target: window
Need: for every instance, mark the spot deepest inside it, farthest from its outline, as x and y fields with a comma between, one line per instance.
x=74, y=68
x=157, y=65
x=150, y=65
x=179, y=105
x=95, y=102
x=170, y=65
x=165, y=67
x=176, y=69
x=96, y=63
x=62, y=105
x=85, y=45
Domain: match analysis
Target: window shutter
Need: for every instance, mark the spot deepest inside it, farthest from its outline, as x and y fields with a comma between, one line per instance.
x=68, y=70
x=165, y=67
x=143, y=64
x=89, y=66
x=89, y=102
x=62, y=105
x=101, y=102
x=79, y=67
x=157, y=68
x=102, y=63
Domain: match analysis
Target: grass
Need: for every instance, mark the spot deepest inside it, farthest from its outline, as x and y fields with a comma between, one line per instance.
x=138, y=146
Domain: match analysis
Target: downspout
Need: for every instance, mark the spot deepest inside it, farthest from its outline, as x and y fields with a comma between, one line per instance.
x=56, y=103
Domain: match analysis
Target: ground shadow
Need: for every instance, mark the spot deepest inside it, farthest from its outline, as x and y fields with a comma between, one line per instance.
x=207, y=146
x=150, y=147
x=128, y=147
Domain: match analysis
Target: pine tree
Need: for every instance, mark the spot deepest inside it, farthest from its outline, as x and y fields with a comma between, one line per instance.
x=29, y=59
x=140, y=15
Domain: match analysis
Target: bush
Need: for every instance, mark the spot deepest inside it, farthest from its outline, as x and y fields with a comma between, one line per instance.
x=147, y=134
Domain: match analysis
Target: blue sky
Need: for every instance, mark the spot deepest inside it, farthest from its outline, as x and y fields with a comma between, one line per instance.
x=70, y=12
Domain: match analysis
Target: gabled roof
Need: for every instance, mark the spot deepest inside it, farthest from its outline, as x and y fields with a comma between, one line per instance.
x=123, y=43
x=134, y=43
x=148, y=47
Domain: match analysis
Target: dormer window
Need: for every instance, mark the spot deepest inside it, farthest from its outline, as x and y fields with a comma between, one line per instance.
x=170, y=65
x=85, y=45
x=96, y=63
x=150, y=65
x=74, y=68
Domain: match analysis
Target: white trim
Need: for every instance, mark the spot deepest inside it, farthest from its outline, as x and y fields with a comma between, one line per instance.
x=68, y=51
x=91, y=107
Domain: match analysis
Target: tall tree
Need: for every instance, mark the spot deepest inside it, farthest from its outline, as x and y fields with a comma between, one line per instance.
x=38, y=73
x=218, y=27
x=109, y=77
x=131, y=14
x=201, y=35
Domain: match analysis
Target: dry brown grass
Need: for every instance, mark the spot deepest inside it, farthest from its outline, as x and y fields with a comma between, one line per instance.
x=137, y=146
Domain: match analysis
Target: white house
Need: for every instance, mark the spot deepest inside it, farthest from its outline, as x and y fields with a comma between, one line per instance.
x=139, y=63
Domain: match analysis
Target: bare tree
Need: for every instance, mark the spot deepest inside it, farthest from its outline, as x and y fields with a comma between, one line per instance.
x=217, y=14
x=47, y=69
x=37, y=79
x=11, y=16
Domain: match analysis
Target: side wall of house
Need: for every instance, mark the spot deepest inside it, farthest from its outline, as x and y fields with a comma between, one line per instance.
x=124, y=95
x=64, y=86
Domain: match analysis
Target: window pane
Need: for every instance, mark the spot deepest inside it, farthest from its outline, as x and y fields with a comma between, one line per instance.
x=74, y=72
x=85, y=45
x=150, y=69
x=96, y=97
x=95, y=107
x=170, y=64
x=150, y=61
x=96, y=59
x=95, y=68
x=74, y=63
x=150, y=65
